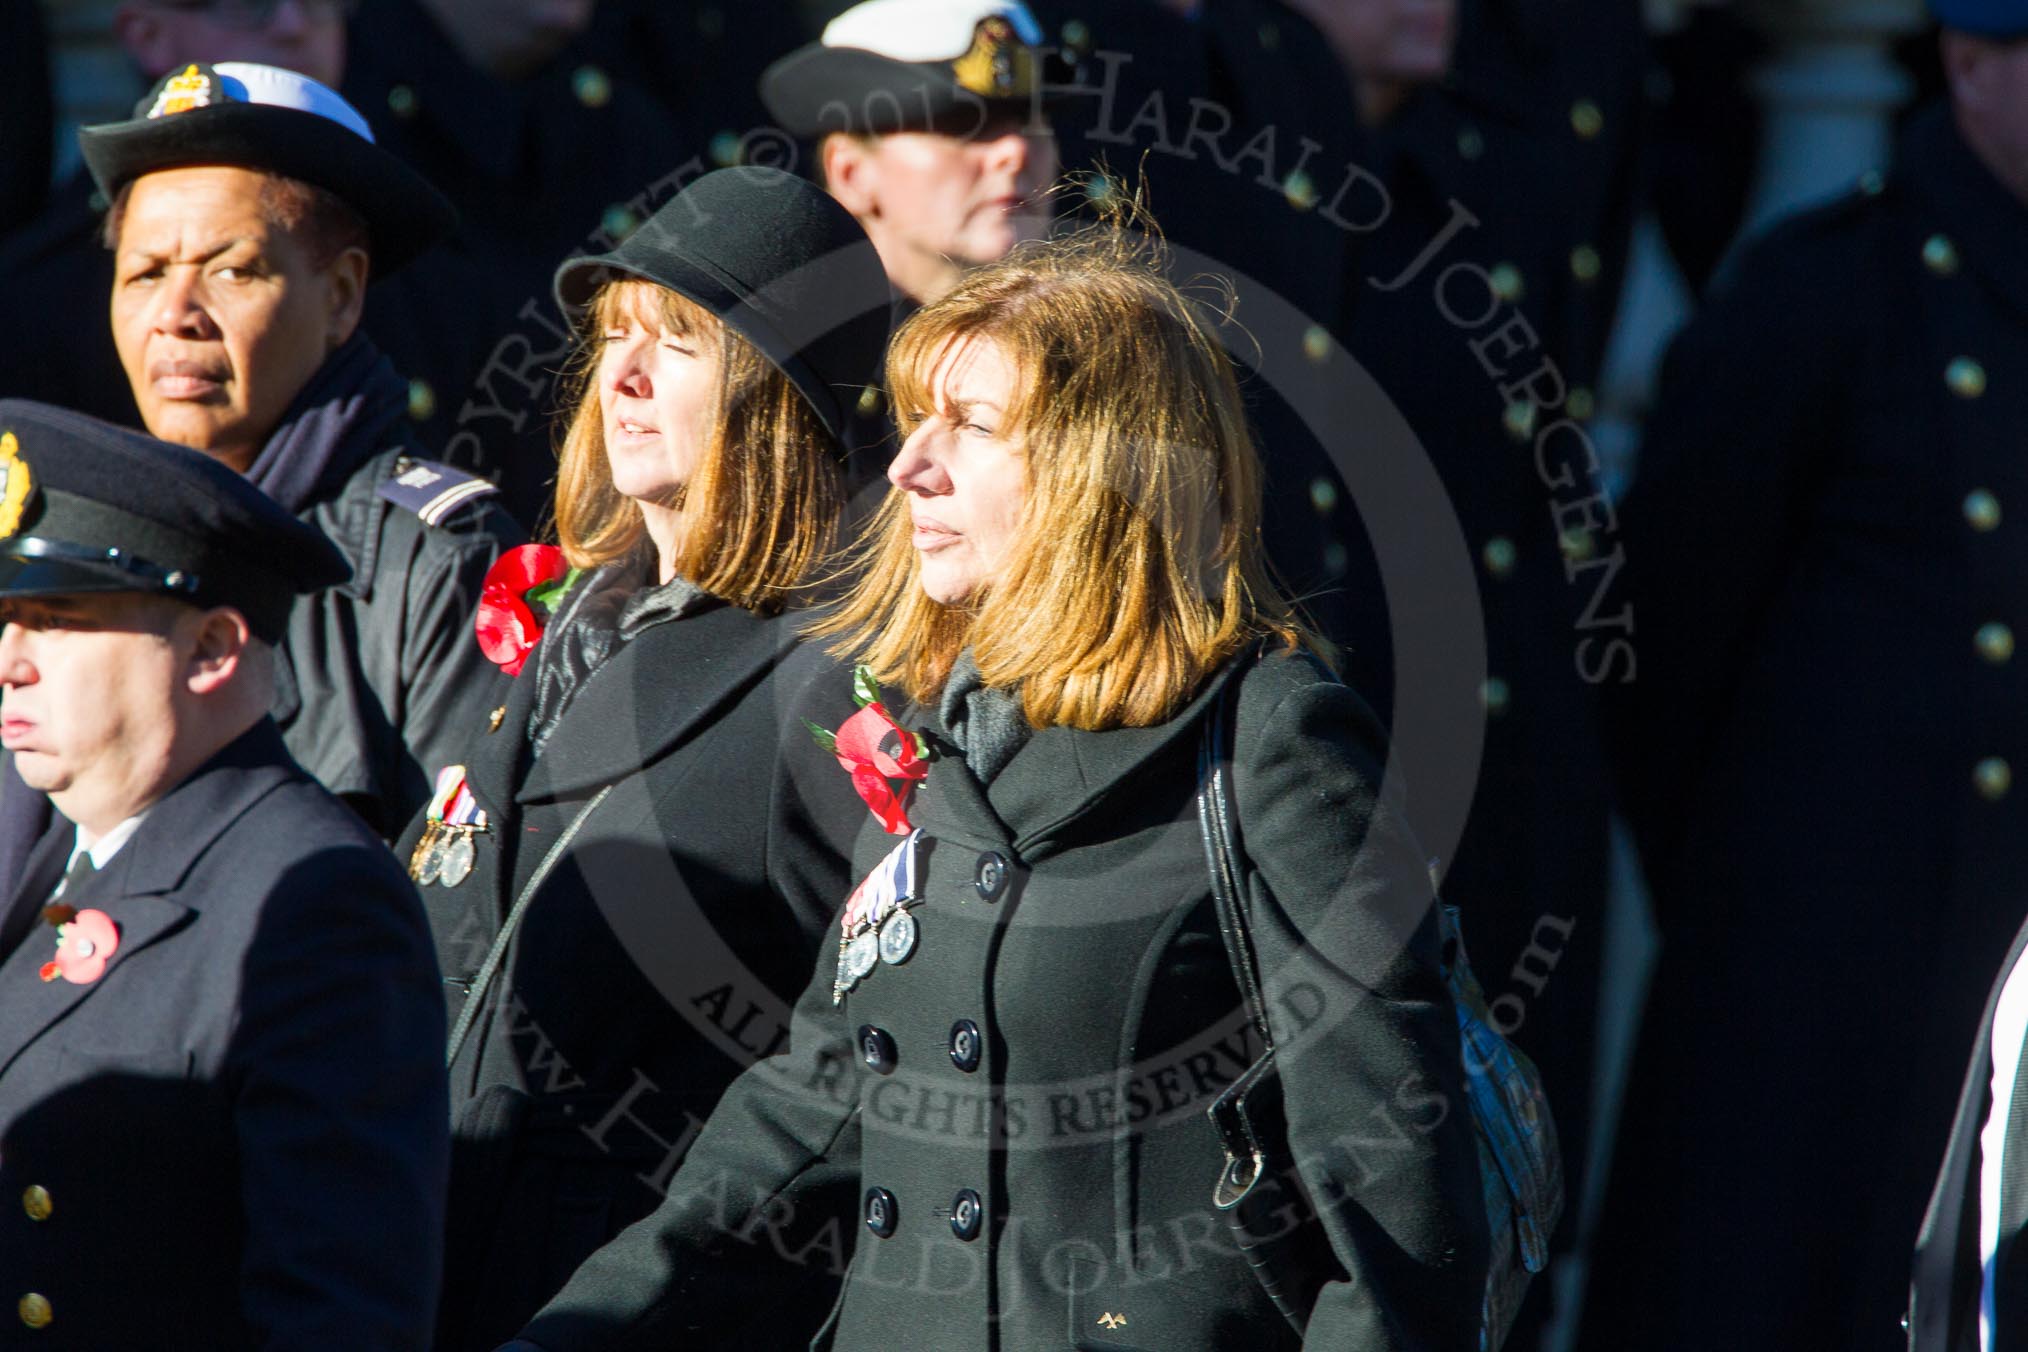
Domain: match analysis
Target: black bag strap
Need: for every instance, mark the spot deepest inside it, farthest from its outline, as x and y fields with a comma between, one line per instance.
x=1218, y=823
x=490, y=968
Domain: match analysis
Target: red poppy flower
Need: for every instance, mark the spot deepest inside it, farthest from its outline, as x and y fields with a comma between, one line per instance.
x=507, y=626
x=83, y=947
x=874, y=749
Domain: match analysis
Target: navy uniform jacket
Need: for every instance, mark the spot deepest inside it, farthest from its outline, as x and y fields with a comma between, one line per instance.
x=382, y=676
x=234, y=1137
x=1828, y=569
x=658, y=958
x=1027, y=1088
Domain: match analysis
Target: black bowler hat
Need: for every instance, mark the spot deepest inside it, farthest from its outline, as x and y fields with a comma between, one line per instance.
x=777, y=261
x=280, y=122
x=89, y=507
x=1986, y=18
x=915, y=65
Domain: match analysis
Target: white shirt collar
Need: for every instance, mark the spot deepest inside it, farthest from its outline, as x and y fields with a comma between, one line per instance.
x=103, y=848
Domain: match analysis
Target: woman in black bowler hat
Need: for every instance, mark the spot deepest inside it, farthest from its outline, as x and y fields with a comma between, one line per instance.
x=629, y=875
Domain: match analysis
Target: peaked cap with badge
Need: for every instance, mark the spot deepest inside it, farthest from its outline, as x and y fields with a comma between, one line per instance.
x=914, y=65
x=89, y=507
x=277, y=121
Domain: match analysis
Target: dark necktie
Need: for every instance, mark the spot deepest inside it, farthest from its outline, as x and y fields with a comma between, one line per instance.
x=81, y=869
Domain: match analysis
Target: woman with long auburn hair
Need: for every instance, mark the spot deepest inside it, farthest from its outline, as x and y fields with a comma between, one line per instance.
x=1010, y=1047
x=628, y=876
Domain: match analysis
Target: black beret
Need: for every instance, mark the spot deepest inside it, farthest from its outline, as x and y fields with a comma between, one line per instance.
x=1986, y=18
x=778, y=261
x=279, y=122
x=915, y=65
x=89, y=507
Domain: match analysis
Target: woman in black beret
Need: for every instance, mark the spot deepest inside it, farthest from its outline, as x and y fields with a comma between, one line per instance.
x=628, y=875
x=1026, y=1007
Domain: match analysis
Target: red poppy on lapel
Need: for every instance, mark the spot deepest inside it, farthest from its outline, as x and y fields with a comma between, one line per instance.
x=874, y=750
x=522, y=589
x=84, y=945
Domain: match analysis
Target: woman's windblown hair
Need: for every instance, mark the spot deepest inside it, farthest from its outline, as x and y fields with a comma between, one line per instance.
x=1136, y=570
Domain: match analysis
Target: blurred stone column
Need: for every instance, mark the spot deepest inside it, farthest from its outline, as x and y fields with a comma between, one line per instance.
x=1829, y=90
x=94, y=82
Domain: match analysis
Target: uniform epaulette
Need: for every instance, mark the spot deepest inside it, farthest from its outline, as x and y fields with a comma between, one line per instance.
x=431, y=489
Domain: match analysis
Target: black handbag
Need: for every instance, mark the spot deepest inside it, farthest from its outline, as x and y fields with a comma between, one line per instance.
x=1520, y=1166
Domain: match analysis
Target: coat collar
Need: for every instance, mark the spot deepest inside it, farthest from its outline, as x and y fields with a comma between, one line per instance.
x=1057, y=777
x=134, y=886
x=1959, y=193
x=652, y=692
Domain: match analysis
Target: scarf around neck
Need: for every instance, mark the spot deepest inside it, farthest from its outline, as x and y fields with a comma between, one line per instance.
x=337, y=422
x=985, y=723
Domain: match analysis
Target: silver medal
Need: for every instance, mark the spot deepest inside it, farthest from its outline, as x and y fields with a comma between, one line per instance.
x=458, y=856
x=861, y=955
x=898, y=935
x=432, y=867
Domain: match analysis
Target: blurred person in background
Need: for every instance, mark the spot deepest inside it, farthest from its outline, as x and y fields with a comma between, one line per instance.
x=1825, y=556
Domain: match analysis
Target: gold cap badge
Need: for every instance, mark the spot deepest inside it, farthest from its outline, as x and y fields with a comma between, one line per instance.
x=191, y=89
x=999, y=65
x=16, y=483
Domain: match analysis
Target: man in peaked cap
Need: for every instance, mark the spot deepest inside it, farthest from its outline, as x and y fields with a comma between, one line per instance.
x=250, y=207
x=1820, y=759
x=930, y=126
x=221, y=1089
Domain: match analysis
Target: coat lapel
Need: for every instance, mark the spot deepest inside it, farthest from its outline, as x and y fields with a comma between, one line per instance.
x=1061, y=773
x=651, y=693
x=39, y=875
x=30, y=1006
x=134, y=888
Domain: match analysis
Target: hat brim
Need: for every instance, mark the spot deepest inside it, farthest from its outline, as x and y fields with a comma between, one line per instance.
x=817, y=90
x=26, y=575
x=579, y=280
x=404, y=215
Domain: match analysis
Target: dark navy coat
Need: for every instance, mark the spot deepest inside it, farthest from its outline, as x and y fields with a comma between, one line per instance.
x=1828, y=569
x=234, y=1137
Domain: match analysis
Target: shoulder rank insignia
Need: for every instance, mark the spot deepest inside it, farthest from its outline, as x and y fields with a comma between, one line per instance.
x=16, y=483
x=191, y=89
x=432, y=490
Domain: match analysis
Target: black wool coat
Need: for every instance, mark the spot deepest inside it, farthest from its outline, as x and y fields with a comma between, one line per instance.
x=658, y=957
x=1018, y=1107
x=234, y=1137
x=1821, y=756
